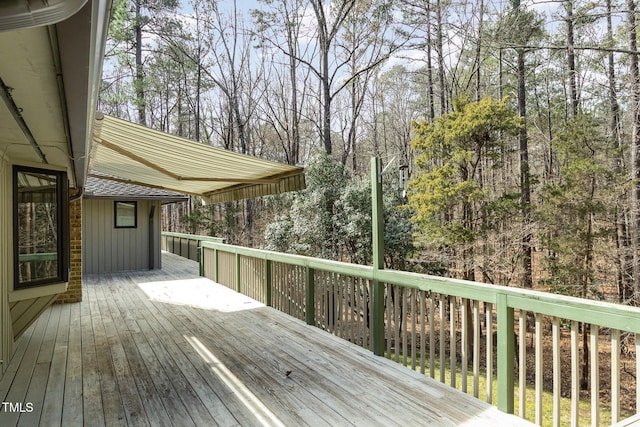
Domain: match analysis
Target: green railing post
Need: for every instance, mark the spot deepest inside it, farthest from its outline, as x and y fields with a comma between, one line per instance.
x=238, y=273
x=201, y=260
x=377, y=222
x=506, y=355
x=216, y=265
x=310, y=303
x=267, y=282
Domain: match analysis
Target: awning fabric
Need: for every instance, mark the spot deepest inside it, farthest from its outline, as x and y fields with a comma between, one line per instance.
x=127, y=152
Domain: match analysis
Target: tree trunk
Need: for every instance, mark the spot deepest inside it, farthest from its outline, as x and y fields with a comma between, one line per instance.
x=588, y=261
x=354, y=114
x=432, y=113
x=294, y=143
x=571, y=60
x=635, y=147
x=198, y=90
x=525, y=183
x=479, y=50
x=625, y=259
x=139, y=83
x=325, y=87
x=439, y=36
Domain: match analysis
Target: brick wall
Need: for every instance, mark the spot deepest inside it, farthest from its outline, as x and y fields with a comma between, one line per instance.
x=74, y=290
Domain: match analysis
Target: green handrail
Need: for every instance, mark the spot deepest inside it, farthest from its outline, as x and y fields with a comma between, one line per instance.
x=179, y=238
x=193, y=237
x=606, y=314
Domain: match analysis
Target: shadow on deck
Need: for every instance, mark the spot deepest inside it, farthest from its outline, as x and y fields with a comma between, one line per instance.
x=167, y=347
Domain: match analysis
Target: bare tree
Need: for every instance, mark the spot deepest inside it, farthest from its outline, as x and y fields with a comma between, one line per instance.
x=635, y=145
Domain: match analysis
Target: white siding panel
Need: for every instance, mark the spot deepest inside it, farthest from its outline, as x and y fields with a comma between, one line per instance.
x=107, y=248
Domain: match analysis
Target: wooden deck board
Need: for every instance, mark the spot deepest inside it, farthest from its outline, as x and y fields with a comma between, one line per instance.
x=72, y=404
x=167, y=347
x=17, y=393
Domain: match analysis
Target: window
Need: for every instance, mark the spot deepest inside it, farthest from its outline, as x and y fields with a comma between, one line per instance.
x=40, y=226
x=126, y=214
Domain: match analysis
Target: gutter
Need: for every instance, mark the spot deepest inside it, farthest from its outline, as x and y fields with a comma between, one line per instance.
x=55, y=53
x=35, y=13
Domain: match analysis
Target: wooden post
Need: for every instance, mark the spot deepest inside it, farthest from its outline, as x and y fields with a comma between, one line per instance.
x=377, y=223
x=216, y=265
x=201, y=260
x=238, y=273
x=310, y=303
x=506, y=355
x=267, y=282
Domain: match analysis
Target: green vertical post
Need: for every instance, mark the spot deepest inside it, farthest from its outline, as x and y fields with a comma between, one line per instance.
x=310, y=303
x=238, y=273
x=216, y=266
x=201, y=260
x=377, y=223
x=506, y=355
x=267, y=282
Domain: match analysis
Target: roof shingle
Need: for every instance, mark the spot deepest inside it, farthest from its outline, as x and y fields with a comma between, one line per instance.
x=105, y=188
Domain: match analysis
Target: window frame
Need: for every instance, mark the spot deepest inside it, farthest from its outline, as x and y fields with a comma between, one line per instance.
x=115, y=214
x=62, y=228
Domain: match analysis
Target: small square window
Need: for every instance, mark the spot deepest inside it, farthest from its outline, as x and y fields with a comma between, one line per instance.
x=126, y=214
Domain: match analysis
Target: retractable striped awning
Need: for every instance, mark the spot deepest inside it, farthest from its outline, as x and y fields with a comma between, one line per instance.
x=127, y=152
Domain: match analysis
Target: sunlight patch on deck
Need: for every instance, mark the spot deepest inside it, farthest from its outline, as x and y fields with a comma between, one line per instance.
x=200, y=293
x=264, y=416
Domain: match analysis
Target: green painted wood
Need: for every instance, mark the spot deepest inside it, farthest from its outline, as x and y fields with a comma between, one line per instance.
x=604, y=314
x=506, y=355
x=238, y=287
x=608, y=315
x=216, y=260
x=193, y=237
x=355, y=270
x=377, y=214
x=267, y=282
x=201, y=261
x=310, y=302
x=377, y=222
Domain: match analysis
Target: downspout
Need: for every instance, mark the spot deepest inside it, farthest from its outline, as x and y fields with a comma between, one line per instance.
x=152, y=252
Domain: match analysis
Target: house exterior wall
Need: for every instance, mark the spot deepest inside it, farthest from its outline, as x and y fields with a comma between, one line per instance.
x=107, y=249
x=6, y=264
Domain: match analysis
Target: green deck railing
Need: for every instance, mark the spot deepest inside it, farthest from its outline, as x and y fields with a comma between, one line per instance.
x=185, y=245
x=448, y=325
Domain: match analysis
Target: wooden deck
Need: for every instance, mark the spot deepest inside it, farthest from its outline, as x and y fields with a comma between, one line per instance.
x=170, y=348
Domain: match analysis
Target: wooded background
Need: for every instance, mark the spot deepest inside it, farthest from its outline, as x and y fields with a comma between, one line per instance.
x=516, y=125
